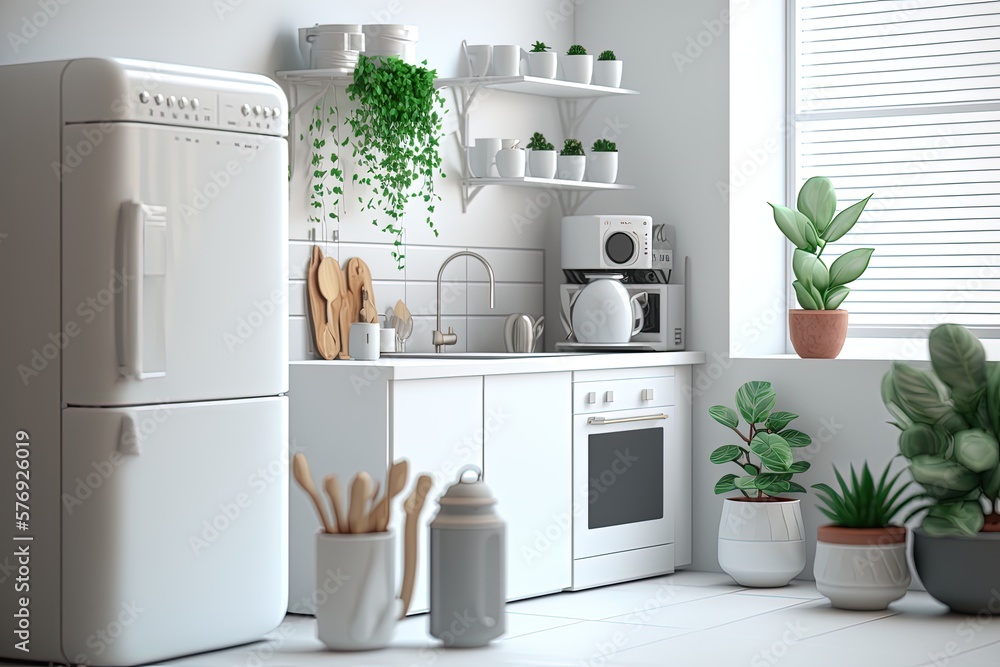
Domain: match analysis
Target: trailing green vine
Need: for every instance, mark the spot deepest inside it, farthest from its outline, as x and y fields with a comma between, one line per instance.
x=397, y=128
x=321, y=125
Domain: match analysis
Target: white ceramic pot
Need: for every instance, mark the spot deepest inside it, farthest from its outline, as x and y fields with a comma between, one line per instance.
x=602, y=166
x=542, y=65
x=479, y=58
x=607, y=73
x=506, y=60
x=542, y=164
x=578, y=69
x=510, y=162
x=861, y=569
x=391, y=40
x=762, y=544
x=571, y=167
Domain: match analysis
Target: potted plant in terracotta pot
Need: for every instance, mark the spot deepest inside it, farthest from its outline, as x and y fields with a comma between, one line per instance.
x=577, y=66
x=761, y=536
x=819, y=328
x=602, y=163
x=541, y=157
x=607, y=70
x=949, y=420
x=572, y=162
x=861, y=557
x=542, y=62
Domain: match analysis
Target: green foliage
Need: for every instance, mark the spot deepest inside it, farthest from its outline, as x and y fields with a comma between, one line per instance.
x=765, y=456
x=604, y=146
x=862, y=503
x=572, y=147
x=949, y=428
x=539, y=47
x=397, y=130
x=539, y=143
x=576, y=50
x=607, y=55
x=811, y=229
x=326, y=183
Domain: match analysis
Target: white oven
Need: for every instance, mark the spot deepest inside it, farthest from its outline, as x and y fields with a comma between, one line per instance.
x=626, y=460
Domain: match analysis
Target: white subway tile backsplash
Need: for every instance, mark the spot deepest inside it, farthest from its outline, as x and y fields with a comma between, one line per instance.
x=298, y=257
x=509, y=265
x=378, y=257
x=300, y=343
x=486, y=334
x=510, y=298
x=423, y=263
x=421, y=298
x=298, y=299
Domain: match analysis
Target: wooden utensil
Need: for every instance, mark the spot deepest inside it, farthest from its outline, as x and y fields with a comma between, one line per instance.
x=344, y=317
x=317, y=305
x=300, y=468
x=413, y=505
x=359, y=277
x=329, y=287
x=395, y=481
x=332, y=487
x=361, y=493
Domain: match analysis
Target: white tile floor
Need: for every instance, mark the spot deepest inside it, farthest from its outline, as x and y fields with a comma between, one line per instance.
x=686, y=619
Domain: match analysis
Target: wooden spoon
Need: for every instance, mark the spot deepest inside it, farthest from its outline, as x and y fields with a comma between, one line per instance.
x=300, y=468
x=413, y=505
x=398, y=474
x=332, y=487
x=361, y=493
x=317, y=305
x=329, y=287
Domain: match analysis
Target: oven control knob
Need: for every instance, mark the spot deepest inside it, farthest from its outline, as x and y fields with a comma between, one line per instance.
x=647, y=394
x=609, y=397
x=591, y=397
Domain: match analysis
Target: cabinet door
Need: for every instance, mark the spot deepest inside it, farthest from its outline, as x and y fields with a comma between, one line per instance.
x=438, y=425
x=529, y=467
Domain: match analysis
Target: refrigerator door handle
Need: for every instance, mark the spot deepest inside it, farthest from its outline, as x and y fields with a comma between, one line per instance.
x=140, y=315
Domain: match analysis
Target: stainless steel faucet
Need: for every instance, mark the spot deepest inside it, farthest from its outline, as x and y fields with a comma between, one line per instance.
x=440, y=340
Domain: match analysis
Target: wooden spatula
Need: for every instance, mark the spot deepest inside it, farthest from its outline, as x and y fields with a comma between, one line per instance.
x=398, y=474
x=413, y=505
x=317, y=305
x=361, y=494
x=300, y=468
x=332, y=487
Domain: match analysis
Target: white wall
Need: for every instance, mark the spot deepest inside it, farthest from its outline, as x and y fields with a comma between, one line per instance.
x=676, y=149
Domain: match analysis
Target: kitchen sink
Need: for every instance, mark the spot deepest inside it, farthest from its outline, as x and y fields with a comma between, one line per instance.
x=473, y=355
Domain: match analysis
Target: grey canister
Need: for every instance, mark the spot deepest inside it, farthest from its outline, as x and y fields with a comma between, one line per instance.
x=468, y=564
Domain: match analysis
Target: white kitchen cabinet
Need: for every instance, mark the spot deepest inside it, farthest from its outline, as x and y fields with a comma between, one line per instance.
x=528, y=465
x=437, y=424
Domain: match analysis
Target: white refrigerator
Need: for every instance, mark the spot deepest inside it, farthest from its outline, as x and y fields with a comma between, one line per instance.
x=143, y=266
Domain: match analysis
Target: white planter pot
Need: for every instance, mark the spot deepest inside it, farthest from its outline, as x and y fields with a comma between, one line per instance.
x=762, y=544
x=571, y=167
x=578, y=69
x=861, y=569
x=608, y=73
x=602, y=167
x=510, y=162
x=542, y=65
x=542, y=164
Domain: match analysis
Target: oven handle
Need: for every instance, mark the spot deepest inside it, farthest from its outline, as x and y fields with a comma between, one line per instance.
x=604, y=421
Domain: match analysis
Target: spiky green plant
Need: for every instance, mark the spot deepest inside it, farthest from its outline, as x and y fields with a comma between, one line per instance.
x=604, y=146
x=572, y=147
x=539, y=143
x=539, y=47
x=862, y=503
x=607, y=55
x=576, y=50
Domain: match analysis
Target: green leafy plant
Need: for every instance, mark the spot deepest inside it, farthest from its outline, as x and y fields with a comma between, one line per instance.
x=539, y=143
x=863, y=503
x=604, y=146
x=572, y=147
x=950, y=423
x=607, y=55
x=327, y=178
x=765, y=456
x=811, y=228
x=539, y=47
x=397, y=130
x=576, y=50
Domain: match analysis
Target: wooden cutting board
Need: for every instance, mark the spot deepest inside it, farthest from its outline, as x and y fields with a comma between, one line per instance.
x=317, y=304
x=360, y=276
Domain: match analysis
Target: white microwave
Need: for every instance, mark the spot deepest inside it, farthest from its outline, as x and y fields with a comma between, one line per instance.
x=663, y=328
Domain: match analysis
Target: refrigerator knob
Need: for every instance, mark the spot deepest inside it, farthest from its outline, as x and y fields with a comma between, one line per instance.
x=144, y=97
x=183, y=103
x=158, y=98
x=194, y=102
x=257, y=110
x=171, y=101
x=245, y=109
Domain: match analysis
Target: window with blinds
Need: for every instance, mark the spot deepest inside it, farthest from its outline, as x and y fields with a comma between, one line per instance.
x=901, y=98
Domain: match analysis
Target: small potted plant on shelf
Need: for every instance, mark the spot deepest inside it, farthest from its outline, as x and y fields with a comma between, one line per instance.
x=572, y=161
x=819, y=328
x=541, y=157
x=602, y=163
x=607, y=70
x=577, y=66
x=861, y=557
x=542, y=62
x=949, y=420
x=761, y=536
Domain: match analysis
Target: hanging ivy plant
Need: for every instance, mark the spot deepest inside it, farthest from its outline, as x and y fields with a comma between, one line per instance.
x=397, y=130
x=324, y=165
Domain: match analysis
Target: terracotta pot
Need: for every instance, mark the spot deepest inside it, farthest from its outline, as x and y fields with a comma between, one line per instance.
x=817, y=334
x=861, y=568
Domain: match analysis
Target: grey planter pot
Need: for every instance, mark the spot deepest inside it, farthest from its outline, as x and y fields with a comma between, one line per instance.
x=962, y=572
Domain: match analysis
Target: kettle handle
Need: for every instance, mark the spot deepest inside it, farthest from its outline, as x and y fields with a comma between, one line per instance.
x=471, y=467
x=639, y=302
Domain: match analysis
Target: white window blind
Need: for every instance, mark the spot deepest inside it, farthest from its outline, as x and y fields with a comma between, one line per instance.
x=901, y=98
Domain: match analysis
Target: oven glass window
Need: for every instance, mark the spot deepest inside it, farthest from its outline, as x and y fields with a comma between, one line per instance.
x=625, y=473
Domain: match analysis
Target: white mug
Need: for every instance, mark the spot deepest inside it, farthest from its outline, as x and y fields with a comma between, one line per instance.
x=364, y=341
x=483, y=157
x=479, y=58
x=511, y=162
x=387, y=339
x=506, y=60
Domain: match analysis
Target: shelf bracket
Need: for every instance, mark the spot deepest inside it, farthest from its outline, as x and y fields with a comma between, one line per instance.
x=571, y=114
x=465, y=97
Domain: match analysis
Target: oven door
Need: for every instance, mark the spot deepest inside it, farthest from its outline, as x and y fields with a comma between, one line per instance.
x=620, y=487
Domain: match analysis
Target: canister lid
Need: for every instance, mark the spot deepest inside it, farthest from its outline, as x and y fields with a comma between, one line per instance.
x=468, y=489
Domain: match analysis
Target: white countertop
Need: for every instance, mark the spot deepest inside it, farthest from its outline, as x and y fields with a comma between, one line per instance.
x=416, y=368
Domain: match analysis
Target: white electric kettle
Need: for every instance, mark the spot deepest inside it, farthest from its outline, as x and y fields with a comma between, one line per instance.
x=603, y=312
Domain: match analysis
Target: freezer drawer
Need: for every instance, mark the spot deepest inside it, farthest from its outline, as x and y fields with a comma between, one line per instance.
x=175, y=528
